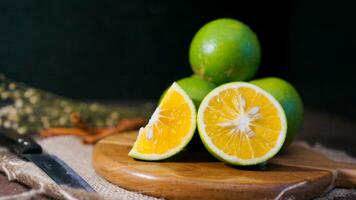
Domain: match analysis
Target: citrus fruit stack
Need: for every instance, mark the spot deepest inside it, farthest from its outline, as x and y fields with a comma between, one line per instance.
x=239, y=122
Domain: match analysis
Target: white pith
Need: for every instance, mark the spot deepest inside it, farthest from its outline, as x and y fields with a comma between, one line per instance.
x=155, y=120
x=241, y=123
x=152, y=122
x=244, y=118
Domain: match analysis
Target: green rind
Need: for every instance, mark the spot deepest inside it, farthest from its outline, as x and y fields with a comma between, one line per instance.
x=217, y=156
x=225, y=50
x=173, y=153
x=290, y=100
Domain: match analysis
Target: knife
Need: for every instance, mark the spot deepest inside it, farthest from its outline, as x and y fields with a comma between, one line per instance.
x=56, y=169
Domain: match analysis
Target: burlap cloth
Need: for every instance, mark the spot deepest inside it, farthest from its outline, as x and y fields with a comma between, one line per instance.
x=78, y=156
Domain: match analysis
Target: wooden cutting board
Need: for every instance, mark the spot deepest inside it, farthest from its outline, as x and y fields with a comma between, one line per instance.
x=297, y=173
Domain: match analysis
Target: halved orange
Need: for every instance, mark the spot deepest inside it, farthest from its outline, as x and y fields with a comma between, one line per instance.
x=241, y=124
x=169, y=129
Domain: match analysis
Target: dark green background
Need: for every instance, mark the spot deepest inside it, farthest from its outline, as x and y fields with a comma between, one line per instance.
x=117, y=50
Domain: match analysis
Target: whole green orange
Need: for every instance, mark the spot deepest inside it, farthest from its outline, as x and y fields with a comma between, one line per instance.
x=225, y=50
x=289, y=99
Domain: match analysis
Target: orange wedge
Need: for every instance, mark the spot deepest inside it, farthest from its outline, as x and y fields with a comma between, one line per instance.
x=169, y=129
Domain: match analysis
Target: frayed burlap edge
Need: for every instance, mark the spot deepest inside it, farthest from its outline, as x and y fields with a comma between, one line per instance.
x=78, y=157
x=40, y=183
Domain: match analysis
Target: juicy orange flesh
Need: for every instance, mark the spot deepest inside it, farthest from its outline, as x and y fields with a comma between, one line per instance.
x=171, y=128
x=225, y=107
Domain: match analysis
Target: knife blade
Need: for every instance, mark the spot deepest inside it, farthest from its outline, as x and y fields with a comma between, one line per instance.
x=55, y=168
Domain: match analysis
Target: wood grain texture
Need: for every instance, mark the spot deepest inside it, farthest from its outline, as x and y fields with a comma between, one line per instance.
x=299, y=172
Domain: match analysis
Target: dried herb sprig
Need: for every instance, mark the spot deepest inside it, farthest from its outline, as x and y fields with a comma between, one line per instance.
x=29, y=109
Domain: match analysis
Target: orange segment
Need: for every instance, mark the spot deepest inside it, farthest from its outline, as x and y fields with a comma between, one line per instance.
x=241, y=124
x=170, y=128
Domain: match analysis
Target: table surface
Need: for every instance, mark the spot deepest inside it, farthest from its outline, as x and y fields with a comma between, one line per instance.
x=332, y=131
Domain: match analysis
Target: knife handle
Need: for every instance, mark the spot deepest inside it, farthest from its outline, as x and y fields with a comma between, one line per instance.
x=19, y=144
